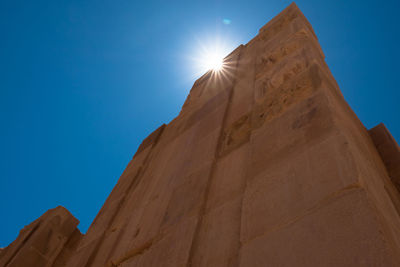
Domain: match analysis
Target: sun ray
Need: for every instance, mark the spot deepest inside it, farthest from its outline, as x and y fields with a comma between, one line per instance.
x=209, y=55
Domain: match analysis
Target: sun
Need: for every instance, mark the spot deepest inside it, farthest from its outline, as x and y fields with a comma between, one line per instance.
x=214, y=61
x=208, y=54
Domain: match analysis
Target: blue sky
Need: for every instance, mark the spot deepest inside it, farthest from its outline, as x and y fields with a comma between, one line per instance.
x=82, y=83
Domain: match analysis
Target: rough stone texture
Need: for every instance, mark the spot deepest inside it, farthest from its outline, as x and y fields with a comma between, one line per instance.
x=48, y=241
x=266, y=165
x=389, y=151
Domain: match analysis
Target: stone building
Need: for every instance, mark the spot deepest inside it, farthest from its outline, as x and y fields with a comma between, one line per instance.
x=265, y=165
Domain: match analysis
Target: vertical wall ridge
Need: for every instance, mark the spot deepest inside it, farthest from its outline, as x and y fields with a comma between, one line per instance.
x=212, y=172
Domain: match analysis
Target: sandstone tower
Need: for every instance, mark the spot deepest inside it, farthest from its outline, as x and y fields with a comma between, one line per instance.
x=266, y=165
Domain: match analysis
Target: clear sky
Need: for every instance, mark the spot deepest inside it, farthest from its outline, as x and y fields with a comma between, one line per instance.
x=82, y=83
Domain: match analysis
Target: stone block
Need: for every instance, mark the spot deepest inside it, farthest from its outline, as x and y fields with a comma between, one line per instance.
x=202, y=152
x=290, y=188
x=304, y=124
x=168, y=249
x=236, y=134
x=187, y=198
x=276, y=102
x=344, y=231
x=229, y=181
x=243, y=88
x=218, y=242
x=388, y=150
x=42, y=241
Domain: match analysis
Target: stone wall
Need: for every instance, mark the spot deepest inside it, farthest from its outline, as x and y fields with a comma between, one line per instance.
x=266, y=165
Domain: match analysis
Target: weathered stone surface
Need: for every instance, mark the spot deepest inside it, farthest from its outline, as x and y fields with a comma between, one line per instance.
x=48, y=241
x=231, y=173
x=295, y=184
x=266, y=165
x=340, y=231
x=220, y=228
x=388, y=150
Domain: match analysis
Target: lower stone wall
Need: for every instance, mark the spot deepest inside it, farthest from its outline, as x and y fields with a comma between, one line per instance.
x=48, y=241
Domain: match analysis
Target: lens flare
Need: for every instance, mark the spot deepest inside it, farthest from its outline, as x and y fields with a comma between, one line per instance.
x=211, y=57
x=213, y=61
x=208, y=54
